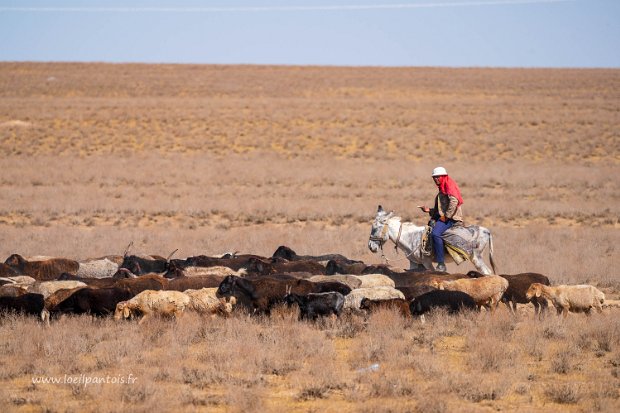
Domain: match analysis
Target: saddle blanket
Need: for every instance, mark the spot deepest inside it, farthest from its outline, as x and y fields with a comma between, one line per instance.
x=461, y=241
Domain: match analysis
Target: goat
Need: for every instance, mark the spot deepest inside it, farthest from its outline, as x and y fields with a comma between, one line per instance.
x=453, y=301
x=290, y=255
x=262, y=293
x=45, y=270
x=394, y=304
x=313, y=305
x=24, y=304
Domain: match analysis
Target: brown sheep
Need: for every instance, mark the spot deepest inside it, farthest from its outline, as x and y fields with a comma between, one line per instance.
x=486, y=291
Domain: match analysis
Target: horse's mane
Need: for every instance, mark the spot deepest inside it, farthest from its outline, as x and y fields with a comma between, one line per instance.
x=405, y=222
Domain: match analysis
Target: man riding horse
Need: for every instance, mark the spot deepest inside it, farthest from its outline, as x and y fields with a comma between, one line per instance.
x=446, y=212
x=464, y=242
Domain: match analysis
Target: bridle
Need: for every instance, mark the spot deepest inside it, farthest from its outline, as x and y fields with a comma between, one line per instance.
x=383, y=235
x=383, y=238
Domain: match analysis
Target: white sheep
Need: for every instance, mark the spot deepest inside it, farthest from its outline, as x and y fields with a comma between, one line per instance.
x=150, y=302
x=12, y=290
x=39, y=258
x=206, y=301
x=375, y=280
x=19, y=279
x=101, y=268
x=47, y=288
x=355, y=297
x=573, y=298
x=351, y=280
x=486, y=291
x=215, y=270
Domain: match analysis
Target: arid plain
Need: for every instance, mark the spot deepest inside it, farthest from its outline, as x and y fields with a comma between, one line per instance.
x=209, y=159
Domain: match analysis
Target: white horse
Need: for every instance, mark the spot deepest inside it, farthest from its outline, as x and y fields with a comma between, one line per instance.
x=408, y=237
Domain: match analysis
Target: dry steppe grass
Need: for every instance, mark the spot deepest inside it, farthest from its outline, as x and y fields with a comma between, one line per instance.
x=209, y=159
x=472, y=362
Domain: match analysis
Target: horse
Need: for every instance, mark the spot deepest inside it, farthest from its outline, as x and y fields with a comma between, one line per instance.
x=408, y=237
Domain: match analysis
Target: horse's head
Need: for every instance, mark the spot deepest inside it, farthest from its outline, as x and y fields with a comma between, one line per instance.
x=378, y=231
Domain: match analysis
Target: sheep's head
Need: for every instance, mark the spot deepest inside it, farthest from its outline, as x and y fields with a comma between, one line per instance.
x=122, y=310
x=535, y=290
x=227, y=304
x=365, y=304
x=437, y=284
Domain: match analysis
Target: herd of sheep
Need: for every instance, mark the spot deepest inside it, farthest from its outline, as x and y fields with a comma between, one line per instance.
x=137, y=286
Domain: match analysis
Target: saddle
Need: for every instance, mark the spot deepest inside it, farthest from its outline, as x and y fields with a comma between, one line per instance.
x=459, y=241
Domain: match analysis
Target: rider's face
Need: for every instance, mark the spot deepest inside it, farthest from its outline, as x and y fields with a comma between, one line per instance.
x=436, y=179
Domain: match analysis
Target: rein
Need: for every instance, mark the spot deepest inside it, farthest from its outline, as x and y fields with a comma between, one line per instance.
x=383, y=238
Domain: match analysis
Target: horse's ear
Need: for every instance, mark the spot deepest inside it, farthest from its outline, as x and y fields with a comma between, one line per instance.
x=390, y=215
x=380, y=209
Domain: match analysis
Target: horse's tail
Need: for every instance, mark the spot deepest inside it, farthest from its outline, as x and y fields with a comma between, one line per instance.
x=491, y=252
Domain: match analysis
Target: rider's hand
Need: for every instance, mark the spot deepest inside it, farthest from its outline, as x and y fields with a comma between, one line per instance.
x=442, y=218
x=424, y=208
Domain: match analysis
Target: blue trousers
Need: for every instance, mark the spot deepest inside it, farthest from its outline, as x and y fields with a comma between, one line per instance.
x=438, y=229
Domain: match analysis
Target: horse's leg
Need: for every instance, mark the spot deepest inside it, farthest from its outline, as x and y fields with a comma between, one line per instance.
x=478, y=262
x=428, y=264
x=416, y=266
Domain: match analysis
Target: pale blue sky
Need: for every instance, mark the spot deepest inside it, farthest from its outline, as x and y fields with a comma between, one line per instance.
x=499, y=33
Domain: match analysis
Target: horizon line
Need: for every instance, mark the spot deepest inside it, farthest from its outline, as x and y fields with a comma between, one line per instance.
x=312, y=65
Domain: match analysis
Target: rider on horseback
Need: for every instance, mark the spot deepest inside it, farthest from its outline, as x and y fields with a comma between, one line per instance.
x=446, y=212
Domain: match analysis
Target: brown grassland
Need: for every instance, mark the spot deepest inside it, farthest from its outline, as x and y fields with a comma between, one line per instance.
x=209, y=159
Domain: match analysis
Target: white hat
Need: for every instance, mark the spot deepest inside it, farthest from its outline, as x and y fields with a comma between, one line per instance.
x=440, y=170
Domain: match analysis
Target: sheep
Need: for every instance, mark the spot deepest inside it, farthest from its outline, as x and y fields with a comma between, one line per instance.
x=573, y=298
x=354, y=299
x=12, y=290
x=47, y=288
x=486, y=291
x=217, y=270
x=206, y=301
x=350, y=280
x=39, y=258
x=19, y=280
x=151, y=302
x=101, y=268
x=375, y=280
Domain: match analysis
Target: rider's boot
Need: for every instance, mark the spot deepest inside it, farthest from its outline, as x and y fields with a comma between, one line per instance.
x=441, y=267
